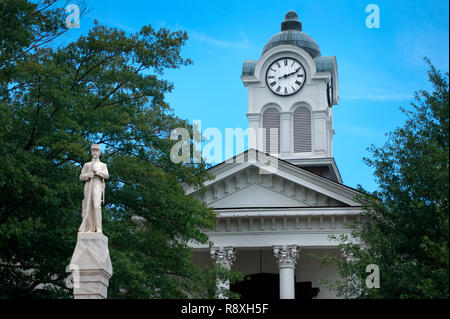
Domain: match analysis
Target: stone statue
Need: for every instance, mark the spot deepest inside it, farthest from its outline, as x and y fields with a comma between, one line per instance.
x=94, y=175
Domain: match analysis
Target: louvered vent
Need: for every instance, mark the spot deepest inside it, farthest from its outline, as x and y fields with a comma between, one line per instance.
x=271, y=120
x=302, y=130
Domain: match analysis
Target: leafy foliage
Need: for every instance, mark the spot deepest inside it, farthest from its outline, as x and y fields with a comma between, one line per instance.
x=104, y=88
x=405, y=227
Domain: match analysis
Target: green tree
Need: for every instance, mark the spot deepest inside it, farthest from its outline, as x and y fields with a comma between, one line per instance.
x=104, y=88
x=405, y=222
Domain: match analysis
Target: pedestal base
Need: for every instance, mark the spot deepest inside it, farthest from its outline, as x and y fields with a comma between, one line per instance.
x=91, y=266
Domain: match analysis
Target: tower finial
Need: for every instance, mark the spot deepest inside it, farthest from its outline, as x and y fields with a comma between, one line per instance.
x=291, y=22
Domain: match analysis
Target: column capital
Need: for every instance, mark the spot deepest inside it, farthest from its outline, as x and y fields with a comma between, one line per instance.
x=286, y=255
x=253, y=116
x=285, y=115
x=320, y=114
x=224, y=256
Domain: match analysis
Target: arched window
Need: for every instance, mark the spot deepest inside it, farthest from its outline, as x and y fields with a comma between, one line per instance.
x=302, y=130
x=271, y=120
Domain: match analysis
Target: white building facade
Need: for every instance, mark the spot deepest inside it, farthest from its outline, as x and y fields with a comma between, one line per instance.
x=274, y=222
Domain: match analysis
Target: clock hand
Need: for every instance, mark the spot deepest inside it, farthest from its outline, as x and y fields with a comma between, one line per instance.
x=286, y=75
x=295, y=71
x=289, y=74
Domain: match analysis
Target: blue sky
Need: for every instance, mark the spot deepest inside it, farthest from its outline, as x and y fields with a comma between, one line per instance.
x=379, y=69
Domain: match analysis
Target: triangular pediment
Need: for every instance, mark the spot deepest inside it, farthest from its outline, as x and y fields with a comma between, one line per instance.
x=256, y=195
x=242, y=184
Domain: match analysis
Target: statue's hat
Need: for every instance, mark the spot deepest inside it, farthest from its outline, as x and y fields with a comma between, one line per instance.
x=95, y=147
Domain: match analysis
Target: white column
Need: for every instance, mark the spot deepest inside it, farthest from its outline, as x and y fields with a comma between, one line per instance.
x=286, y=257
x=254, y=138
x=224, y=256
x=286, y=136
x=320, y=134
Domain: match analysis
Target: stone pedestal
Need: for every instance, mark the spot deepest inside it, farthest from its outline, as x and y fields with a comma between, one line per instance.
x=91, y=266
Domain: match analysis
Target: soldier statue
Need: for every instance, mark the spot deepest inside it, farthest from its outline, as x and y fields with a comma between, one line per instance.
x=94, y=175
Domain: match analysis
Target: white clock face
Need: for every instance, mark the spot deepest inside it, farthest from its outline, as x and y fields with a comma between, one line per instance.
x=285, y=76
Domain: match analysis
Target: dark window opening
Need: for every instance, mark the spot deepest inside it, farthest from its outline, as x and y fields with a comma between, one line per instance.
x=267, y=286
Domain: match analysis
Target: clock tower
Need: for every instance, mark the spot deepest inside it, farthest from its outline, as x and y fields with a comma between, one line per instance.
x=268, y=220
x=291, y=93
